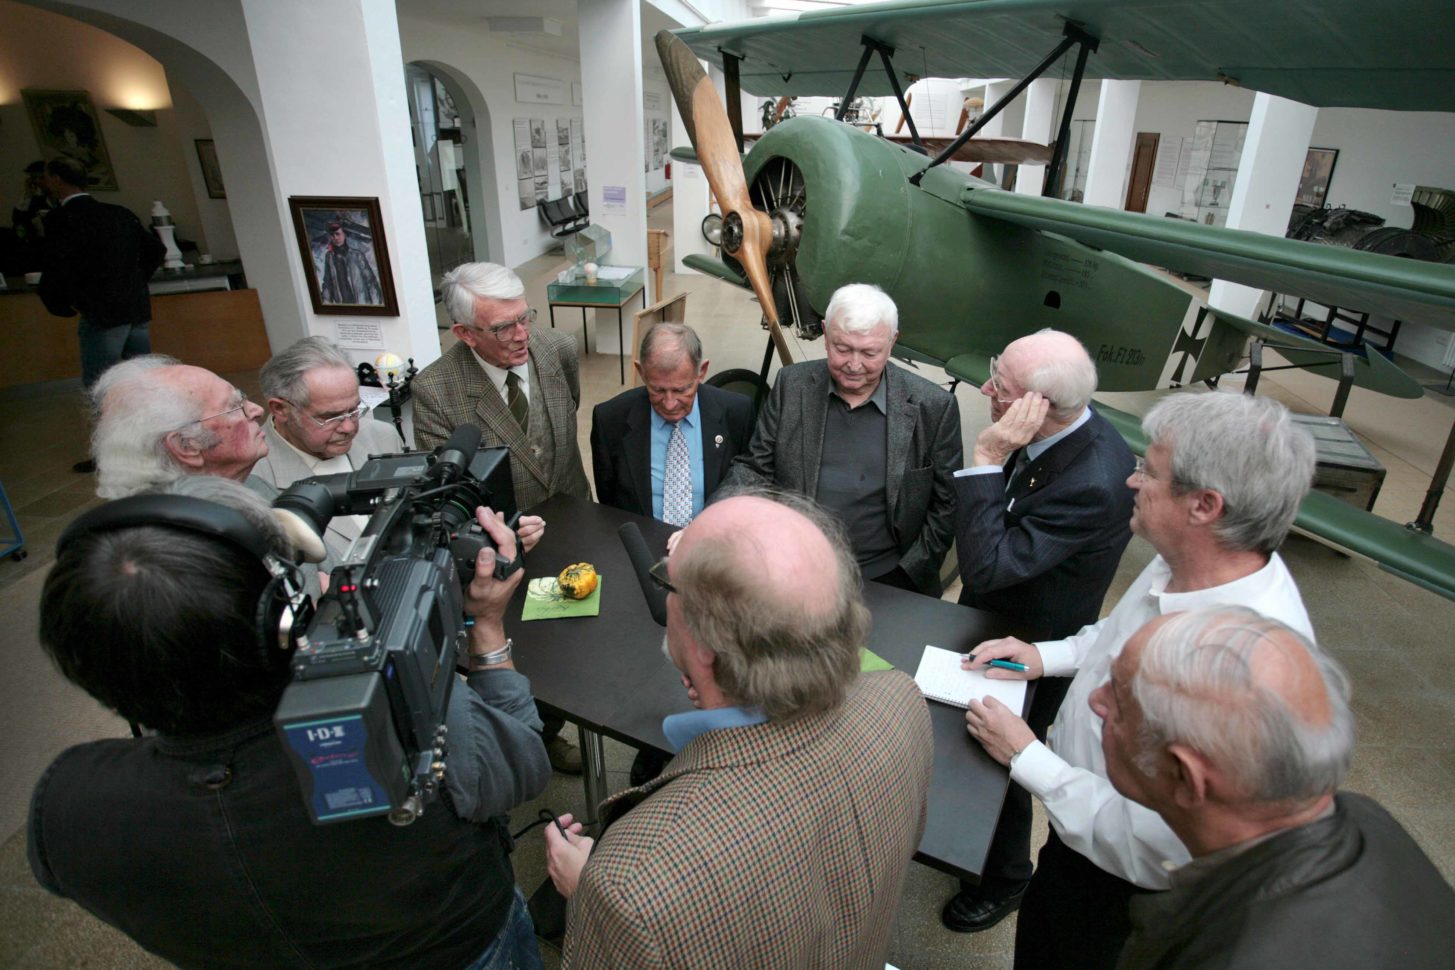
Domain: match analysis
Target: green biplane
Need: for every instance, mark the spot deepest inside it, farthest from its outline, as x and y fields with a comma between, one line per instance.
x=817, y=204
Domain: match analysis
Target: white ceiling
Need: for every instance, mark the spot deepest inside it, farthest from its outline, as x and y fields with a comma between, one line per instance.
x=475, y=14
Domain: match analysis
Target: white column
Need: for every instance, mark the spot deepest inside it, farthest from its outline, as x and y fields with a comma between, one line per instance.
x=611, y=82
x=996, y=127
x=1111, y=143
x=330, y=91
x=1279, y=131
x=1039, y=126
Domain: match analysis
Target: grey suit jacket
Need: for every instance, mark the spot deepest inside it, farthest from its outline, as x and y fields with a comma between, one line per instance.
x=455, y=390
x=621, y=444
x=924, y=451
x=281, y=467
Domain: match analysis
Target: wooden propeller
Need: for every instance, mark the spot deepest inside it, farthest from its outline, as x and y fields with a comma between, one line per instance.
x=747, y=231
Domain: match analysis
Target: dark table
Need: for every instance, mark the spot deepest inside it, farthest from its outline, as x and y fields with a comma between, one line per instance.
x=607, y=673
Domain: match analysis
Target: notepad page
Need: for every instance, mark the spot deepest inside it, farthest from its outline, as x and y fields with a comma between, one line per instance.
x=940, y=678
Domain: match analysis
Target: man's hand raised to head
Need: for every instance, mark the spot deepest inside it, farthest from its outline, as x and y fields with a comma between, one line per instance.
x=1016, y=428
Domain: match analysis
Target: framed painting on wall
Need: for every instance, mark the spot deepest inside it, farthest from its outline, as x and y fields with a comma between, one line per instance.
x=1318, y=172
x=65, y=123
x=211, y=171
x=345, y=258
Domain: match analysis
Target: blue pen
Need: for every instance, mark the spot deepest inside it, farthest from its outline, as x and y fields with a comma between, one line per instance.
x=1006, y=665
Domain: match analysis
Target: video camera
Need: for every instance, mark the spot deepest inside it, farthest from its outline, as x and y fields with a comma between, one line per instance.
x=364, y=716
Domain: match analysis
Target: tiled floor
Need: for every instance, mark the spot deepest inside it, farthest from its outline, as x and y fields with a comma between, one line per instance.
x=1393, y=637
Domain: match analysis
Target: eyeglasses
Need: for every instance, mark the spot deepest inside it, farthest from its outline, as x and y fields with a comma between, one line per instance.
x=499, y=330
x=242, y=403
x=356, y=414
x=996, y=389
x=1143, y=472
x=658, y=572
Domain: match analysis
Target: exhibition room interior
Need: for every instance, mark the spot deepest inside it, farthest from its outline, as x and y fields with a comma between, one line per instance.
x=440, y=127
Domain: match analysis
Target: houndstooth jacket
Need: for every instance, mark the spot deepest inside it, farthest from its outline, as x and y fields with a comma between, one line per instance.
x=775, y=845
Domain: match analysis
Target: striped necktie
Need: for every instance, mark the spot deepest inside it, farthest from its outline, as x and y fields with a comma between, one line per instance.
x=516, y=401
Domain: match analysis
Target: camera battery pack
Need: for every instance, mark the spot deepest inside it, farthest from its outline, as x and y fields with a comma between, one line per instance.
x=345, y=751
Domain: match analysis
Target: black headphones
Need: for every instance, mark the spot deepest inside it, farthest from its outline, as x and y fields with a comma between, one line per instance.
x=284, y=609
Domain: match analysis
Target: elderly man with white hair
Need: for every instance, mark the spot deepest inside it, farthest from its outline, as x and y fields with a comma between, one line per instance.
x=1236, y=730
x=1041, y=521
x=519, y=385
x=158, y=420
x=1215, y=495
x=869, y=440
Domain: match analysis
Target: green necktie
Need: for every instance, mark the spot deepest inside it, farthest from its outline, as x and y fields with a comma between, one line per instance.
x=516, y=401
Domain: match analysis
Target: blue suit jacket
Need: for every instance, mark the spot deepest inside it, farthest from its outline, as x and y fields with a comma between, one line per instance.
x=621, y=444
x=1044, y=551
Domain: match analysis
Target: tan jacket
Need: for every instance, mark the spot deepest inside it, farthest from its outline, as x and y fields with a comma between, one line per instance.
x=455, y=390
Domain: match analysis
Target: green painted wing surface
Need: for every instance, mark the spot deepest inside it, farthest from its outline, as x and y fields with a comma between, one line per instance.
x=1404, y=289
x=1354, y=53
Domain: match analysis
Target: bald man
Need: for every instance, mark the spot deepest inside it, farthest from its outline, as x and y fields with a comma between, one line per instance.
x=1042, y=516
x=1237, y=731
x=781, y=832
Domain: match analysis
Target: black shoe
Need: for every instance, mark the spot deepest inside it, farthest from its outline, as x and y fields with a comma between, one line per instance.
x=84, y=467
x=967, y=912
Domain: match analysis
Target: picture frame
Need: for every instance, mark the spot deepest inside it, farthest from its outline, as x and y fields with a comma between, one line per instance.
x=345, y=255
x=66, y=123
x=1318, y=172
x=211, y=170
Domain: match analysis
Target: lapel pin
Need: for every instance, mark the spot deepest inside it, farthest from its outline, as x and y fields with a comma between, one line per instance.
x=717, y=441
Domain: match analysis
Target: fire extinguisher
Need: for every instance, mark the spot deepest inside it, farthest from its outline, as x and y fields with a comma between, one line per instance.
x=669, y=171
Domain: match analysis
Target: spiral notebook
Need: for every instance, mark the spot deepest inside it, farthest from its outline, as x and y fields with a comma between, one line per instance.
x=940, y=679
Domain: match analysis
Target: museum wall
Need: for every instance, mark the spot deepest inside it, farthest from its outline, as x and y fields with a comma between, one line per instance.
x=491, y=62
x=42, y=50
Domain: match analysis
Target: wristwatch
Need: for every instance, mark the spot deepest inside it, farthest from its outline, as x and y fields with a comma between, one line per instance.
x=481, y=661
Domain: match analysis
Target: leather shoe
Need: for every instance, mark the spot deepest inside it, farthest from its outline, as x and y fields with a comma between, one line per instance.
x=84, y=467
x=565, y=756
x=968, y=912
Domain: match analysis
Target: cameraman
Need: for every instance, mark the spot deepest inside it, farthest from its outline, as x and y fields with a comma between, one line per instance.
x=196, y=842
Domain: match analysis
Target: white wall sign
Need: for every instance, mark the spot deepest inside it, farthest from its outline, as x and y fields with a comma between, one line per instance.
x=1402, y=194
x=613, y=198
x=360, y=335
x=530, y=89
x=651, y=100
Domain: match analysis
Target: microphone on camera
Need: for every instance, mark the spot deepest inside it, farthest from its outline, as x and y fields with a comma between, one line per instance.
x=454, y=456
x=641, y=558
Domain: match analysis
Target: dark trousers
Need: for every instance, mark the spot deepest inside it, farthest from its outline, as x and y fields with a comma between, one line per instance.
x=1008, y=863
x=1074, y=914
x=899, y=579
x=103, y=344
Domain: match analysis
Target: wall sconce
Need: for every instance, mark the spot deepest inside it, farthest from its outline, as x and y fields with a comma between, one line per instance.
x=136, y=118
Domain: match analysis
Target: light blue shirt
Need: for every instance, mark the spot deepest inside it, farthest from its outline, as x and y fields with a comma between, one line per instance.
x=1035, y=449
x=661, y=434
x=682, y=729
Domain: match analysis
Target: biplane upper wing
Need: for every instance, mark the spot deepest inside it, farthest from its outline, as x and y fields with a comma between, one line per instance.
x=1348, y=53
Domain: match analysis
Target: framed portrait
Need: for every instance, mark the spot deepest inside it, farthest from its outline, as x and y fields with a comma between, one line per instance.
x=1318, y=172
x=65, y=123
x=345, y=257
x=211, y=171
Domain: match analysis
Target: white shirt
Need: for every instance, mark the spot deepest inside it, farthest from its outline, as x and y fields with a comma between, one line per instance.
x=497, y=376
x=337, y=465
x=1069, y=777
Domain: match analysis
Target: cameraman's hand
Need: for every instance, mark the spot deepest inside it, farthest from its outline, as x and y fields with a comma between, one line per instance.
x=566, y=855
x=486, y=597
x=530, y=529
